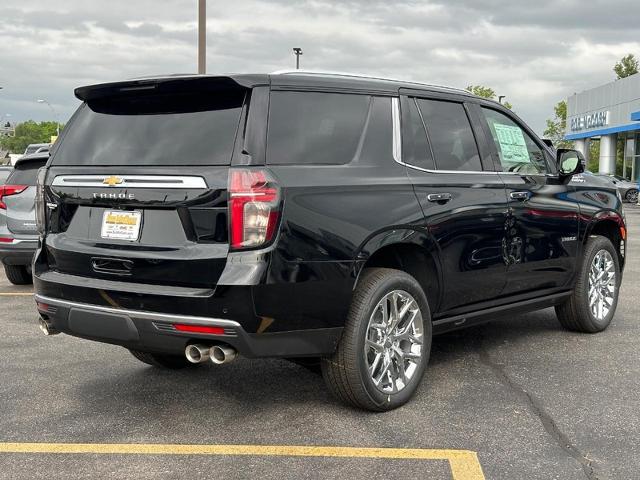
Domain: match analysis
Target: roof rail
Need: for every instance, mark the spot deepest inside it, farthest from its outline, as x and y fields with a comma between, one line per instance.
x=362, y=75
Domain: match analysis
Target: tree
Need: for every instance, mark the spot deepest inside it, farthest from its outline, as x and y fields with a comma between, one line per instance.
x=627, y=66
x=29, y=132
x=485, y=92
x=557, y=126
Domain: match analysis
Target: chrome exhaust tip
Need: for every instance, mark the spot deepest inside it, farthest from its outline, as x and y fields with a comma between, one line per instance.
x=46, y=327
x=196, y=353
x=222, y=354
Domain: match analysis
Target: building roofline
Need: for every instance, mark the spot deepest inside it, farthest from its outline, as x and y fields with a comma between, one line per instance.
x=603, y=131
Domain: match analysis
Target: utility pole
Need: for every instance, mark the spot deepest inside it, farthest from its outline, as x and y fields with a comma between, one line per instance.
x=297, y=51
x=202, y=36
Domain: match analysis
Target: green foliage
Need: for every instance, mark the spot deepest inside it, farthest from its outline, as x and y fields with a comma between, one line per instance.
x=627, y=66
x=485, y=92
x=29, y=132
x=482, y=91
x=594, y=156
x=557, y=126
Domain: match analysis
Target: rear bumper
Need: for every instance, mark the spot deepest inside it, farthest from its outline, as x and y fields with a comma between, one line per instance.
x=19, y=252
x=155, y=332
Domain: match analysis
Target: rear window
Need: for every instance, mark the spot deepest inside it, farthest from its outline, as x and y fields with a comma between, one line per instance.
x=25, y=173
x=180, y=129
x=4, y=173
x=315, y=128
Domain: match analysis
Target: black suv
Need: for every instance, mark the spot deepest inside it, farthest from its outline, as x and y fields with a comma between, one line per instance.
x=318, y=217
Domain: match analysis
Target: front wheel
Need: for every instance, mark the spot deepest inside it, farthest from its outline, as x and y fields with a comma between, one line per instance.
x=385, y=345
x=595, y=296
x=632, y=196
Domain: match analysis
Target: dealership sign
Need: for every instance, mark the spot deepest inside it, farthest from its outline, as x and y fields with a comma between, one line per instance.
x=592, y=120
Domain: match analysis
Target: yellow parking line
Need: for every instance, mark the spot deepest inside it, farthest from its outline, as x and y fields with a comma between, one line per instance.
x=464, y=463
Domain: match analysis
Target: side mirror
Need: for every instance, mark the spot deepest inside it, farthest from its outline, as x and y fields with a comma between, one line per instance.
x=570, y=162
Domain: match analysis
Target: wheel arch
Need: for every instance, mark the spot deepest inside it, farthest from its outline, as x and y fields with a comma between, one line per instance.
x=609, y=224
x=409, y=250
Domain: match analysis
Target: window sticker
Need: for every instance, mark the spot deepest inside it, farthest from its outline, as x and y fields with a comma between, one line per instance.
x=512, y=144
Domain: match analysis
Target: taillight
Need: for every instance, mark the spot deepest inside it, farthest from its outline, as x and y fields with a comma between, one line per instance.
x=254, y=202
x=41, y=223
x=7, y=190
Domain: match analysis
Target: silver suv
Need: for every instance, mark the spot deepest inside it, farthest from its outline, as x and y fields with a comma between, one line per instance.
x=18, y=234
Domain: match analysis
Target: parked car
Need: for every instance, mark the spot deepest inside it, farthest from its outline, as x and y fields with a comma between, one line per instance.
x=628, y=189
x=37, y=148
x=18, y=233
x=313, y=216
x=5, y=170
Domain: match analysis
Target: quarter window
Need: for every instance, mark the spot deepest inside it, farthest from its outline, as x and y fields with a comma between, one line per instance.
x=452, y=141
x=517, y=151
x=314, y=127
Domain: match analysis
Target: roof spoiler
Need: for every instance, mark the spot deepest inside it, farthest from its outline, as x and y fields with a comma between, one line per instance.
x=169, y=85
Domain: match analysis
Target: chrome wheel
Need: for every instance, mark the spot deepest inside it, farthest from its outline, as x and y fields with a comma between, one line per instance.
x=632, y=196
x=394, y=341
x=602, y=284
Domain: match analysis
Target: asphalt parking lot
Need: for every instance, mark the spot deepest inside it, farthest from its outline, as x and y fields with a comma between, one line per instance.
x=530, y=399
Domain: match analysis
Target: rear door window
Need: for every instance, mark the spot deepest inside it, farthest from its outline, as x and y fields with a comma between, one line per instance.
x=415, y=149
x=315, y=127
x=25, y=173
x=152, y=130
x=450, y=135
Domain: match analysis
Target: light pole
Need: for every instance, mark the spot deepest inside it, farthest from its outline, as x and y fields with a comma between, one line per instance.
x=55, y=114
x=500, y=97
x=202, y=36
x=297, y=51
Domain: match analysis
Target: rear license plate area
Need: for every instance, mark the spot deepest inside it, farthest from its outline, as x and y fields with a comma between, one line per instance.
x=121, y=225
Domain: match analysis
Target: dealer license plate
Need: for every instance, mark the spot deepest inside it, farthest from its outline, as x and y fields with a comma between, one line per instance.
x=119, y=225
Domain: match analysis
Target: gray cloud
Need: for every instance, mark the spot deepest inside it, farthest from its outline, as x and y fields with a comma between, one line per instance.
x=536, y=53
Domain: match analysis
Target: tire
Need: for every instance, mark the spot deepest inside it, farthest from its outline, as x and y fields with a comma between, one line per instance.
x=631, y=196
x=347, y=373
x=576, y=314
x=18, y=274
x=171, y=362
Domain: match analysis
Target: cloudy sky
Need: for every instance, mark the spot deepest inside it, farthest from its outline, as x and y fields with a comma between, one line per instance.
x=534, y=52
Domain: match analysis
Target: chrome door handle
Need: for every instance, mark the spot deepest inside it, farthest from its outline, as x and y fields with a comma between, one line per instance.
x=439, y=197
x=519, y=195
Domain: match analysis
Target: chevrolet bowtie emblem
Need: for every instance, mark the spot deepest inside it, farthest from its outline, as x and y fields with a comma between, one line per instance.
x=112, y=181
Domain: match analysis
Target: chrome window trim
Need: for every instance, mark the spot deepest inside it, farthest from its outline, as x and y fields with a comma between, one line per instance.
x=397, y=151
x=397, y=132
x=131, y=181
x=165, y=317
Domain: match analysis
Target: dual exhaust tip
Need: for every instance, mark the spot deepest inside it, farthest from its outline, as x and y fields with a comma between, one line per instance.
x=46, y=327
x=218, y=354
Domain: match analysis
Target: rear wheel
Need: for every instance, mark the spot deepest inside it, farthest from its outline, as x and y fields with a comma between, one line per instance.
x=18, y=274
x=595, y=296
x=172, y=362
x=385, y=344
x=632, y=196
